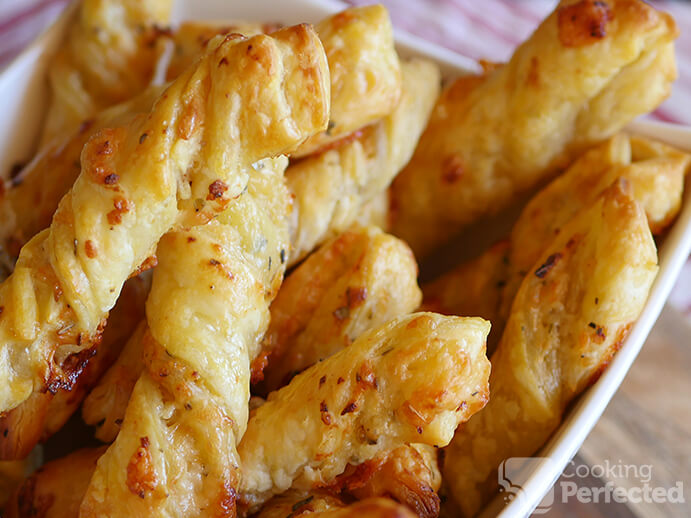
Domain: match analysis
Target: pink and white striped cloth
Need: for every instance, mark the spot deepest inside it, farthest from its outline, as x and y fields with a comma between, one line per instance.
x=490, y=30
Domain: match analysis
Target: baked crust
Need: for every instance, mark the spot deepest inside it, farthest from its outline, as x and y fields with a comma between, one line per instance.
x=491, y=139
x=570, y=316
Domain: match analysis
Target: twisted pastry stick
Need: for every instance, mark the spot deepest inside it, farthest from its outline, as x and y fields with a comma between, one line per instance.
x=175, y=452
x=371, y=60
x=413, y=379
x=339, y=292
x=208, y=308
x=331, y=187
x=139, y=181
x=363, y=65
x=486, y=286
x=319, y=211
x=655, y=171
x=491, y=139
x=570, y=316
x=365, y=72
x=109, y=55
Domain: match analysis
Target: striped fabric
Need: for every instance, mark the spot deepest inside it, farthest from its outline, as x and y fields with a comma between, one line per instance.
x=487, y=29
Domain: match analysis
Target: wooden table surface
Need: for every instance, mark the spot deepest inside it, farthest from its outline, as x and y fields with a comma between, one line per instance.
x=648, y=422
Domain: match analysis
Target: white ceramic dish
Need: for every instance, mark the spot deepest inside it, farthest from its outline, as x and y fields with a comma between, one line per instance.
x=23, y=94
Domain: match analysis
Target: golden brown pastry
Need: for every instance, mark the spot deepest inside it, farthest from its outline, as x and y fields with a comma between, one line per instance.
x=30, y=198
x=339, y=292
x=104, y=407
x=317, y=218
x=44, y=413
x=411, y=380
x=109, y=55
x=572, y=313
x=56, y=488
x=330, y=188
x=654, y=170
x=472, y=289
x=297, y=503
x=33, y=196
x=588, y=69
x=365, y=72
x=182, y=163
x=657, y=173
x=208, y=308
x=190, y=40
x=486, y=286
x=409, y=474
x=363, y=64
